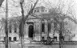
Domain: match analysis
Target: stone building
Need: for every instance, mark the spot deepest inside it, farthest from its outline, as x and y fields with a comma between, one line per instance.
x=2, y=32
x=35, y=27
x=12, y=31
x=38, y=25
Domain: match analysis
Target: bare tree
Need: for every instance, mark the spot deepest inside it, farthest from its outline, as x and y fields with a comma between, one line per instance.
x=1, y=1
x=61, y=19
x=58, y=16
x=24, y=18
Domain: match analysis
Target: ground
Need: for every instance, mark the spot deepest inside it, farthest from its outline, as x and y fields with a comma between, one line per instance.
x=33, y=45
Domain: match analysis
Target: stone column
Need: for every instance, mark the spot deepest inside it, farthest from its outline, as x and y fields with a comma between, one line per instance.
x=40, y=29
x=26, y=38
x=35, y=28
x=52, y=27
x=26, y=28
x=46, y=29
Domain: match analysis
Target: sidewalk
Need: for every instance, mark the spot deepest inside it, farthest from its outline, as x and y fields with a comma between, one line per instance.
x=37, y=45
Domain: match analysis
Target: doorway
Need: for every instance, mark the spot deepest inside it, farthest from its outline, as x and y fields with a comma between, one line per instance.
x=30, y=31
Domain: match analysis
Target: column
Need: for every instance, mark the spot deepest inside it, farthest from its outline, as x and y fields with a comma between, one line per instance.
x=52, y=27
x=26, y=38
x=26, y=26
x=40, y=29
x=35, y=28
x=46, y=30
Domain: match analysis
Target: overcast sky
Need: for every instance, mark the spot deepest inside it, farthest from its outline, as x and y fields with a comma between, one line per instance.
x=14, y=6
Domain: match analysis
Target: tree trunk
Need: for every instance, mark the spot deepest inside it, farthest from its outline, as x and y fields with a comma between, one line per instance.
x=61, y=35
x=1, y=1
x=22, y=42
x=22, y=24
x=21, y=33
x=6, y=26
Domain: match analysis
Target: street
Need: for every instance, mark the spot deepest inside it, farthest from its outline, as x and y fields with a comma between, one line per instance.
x=33, y=45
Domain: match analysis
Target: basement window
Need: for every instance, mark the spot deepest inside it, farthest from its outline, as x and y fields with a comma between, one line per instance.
x=9, y=38
x=15, y=38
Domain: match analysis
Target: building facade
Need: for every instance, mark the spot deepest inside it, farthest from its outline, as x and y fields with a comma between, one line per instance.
x=37, y=26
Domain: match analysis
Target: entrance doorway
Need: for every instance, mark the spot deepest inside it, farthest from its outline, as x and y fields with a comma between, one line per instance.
x=30, y=31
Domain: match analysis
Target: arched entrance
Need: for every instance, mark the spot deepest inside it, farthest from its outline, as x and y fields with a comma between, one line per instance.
x=30, y=31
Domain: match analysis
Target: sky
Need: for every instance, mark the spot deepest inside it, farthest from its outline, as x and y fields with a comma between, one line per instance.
x=14, y=6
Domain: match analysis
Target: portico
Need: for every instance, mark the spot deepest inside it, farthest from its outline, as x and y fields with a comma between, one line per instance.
x=38, y=29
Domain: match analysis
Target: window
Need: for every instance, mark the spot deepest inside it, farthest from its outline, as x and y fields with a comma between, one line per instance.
x=43, y=28
x=45, y=10
x=37, y=10
x=14, y=38
x=55, y=25
x=10, y=28
x=4, y=38
x=49, y=27
x=15, y=29
x=9, y=38
x=42, y=10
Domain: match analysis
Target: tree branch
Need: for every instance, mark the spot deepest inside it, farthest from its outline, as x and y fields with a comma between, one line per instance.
x=31, y=10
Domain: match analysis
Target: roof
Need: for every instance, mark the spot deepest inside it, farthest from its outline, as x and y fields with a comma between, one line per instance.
x=41, y=7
